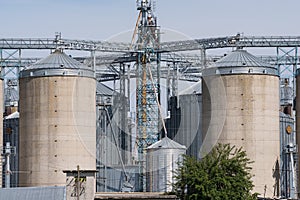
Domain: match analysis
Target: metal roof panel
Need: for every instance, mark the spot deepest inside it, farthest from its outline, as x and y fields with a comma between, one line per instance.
x=240, y=58
x=104, y=90
x=57, y=59
x=166, y=143
x=34, y=193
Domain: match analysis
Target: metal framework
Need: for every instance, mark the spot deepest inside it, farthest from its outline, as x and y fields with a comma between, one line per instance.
x=48, y=43
x=148, y=53
x=123, y=53
x=175, y=46
x=147, y=84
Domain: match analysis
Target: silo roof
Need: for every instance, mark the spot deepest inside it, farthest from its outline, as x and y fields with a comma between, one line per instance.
x=57, y=64
x=15, y=115
x=166, y=143
x=193, y=89
x=104, y=90
x=58, y=59
x=240, y=62
x=240, y=58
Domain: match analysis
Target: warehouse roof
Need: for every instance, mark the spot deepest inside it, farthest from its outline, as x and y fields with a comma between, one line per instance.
x=34, y=193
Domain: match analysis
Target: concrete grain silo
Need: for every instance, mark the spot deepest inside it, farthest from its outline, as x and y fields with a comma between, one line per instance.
x=57, y=120
x=241, y=107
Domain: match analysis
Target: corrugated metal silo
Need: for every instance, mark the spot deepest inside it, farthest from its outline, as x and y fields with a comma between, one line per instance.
x=161, y=161
x=184, y=124
x=57, y=120
x=241, y=107
x=298, y=123
x=287, y=156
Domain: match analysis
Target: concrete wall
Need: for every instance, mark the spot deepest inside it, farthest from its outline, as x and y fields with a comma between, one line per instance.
x=243, y=110
x=85, y=188
x=57, y=128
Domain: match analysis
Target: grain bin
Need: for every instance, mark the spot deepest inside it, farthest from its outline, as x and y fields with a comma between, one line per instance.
x=161, y=161
x=57, y=120
x=241, y=107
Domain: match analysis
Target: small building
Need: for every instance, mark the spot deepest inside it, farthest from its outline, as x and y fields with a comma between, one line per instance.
x=80, y=182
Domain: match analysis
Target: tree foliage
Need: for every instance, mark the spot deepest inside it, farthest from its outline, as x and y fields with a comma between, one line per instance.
x=223, y=174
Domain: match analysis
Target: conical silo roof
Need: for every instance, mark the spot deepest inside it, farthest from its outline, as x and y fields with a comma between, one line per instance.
x=166, y=143
x=57, y=64
x=58, y=59
x=240, y=58
x=240, y=62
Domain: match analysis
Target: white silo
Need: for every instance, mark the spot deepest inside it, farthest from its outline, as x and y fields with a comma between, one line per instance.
x=57, y=120
x=241, y=107
x=161, y=161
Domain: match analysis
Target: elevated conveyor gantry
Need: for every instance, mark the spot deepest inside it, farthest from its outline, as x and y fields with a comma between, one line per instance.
x=175, y=46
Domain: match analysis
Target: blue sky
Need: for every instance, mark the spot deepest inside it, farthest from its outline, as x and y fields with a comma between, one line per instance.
x=100, y=19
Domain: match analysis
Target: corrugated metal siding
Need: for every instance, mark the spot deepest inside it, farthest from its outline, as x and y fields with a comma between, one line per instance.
x=285, y=140
x=111, y=179
x=11, y=134
x=11, y=95
x=34, y=193
x=184, y=126
x=104, y=90
x=161, y=163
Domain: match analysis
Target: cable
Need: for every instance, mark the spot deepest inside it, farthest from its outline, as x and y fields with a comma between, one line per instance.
x=157, y=101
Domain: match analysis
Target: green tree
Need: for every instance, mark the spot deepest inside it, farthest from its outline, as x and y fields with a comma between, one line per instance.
x=223, y=174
